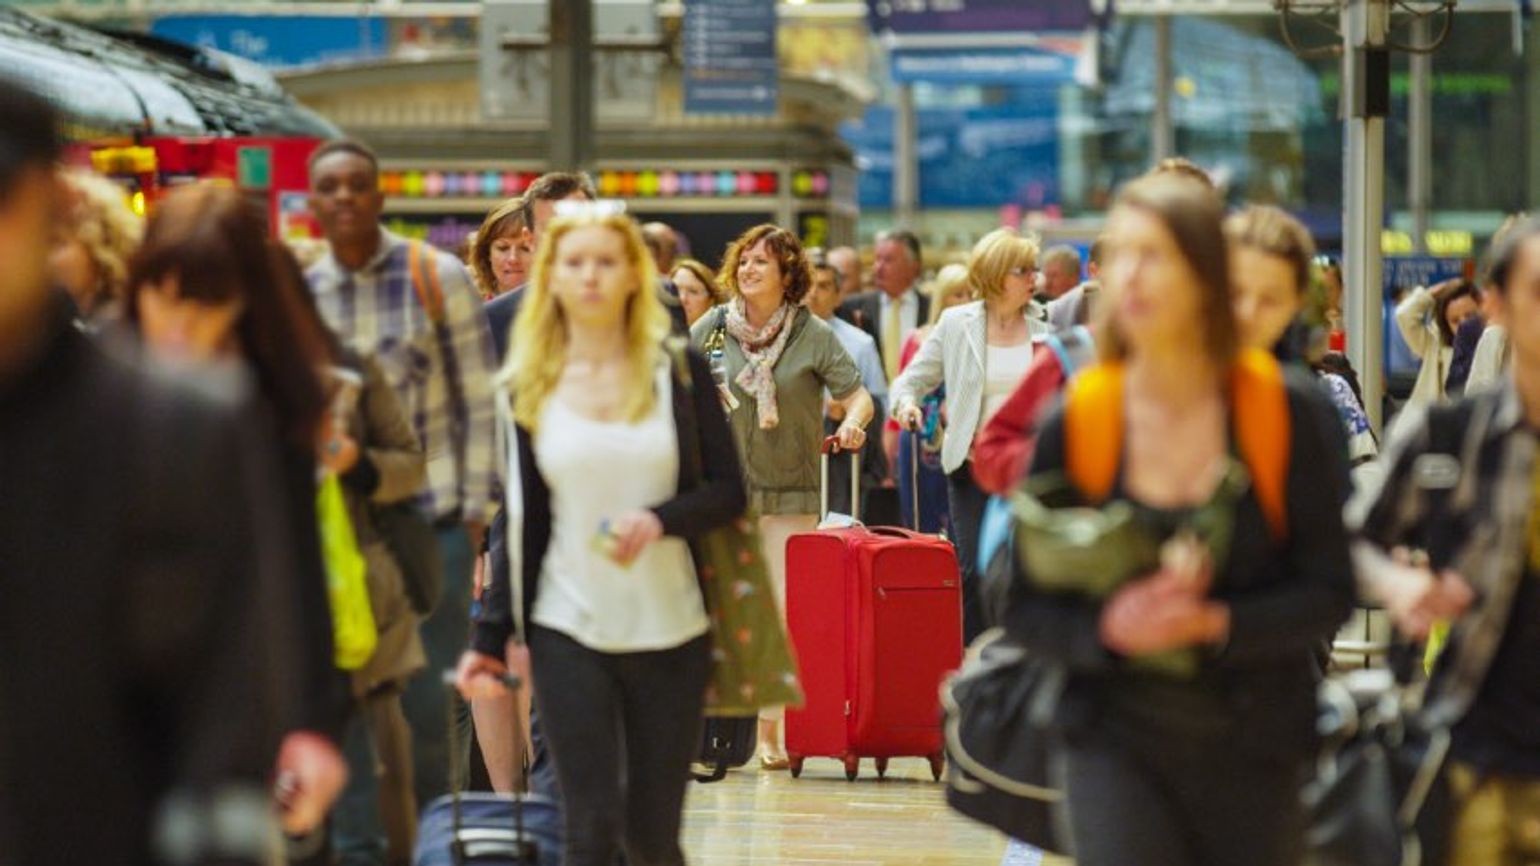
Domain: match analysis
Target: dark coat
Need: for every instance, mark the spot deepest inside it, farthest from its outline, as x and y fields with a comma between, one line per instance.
x=148, y=639
x=865, y=312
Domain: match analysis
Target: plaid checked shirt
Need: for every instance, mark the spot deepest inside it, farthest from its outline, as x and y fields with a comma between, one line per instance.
x=1458, y=483
x=447, y=395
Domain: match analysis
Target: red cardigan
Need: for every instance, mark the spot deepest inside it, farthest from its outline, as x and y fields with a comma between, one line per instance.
x=1003, y=450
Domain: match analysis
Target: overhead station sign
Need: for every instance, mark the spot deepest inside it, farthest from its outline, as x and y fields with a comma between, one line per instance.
x=730, y=62
x=932, y=17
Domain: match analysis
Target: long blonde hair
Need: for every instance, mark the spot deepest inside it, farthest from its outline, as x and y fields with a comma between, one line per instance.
x=539, y=353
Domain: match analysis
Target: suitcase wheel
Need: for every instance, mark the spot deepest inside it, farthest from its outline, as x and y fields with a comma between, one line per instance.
x=882, y=768
x=937, y=765
x=795, y=762
x=852, y=767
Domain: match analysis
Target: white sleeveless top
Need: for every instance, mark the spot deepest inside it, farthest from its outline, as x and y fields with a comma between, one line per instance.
x=1004, y=368
x=598, y=471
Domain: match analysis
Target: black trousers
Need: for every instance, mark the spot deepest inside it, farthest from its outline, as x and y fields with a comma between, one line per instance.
x=967, y=503
x=1176, y=803
x=623, y=729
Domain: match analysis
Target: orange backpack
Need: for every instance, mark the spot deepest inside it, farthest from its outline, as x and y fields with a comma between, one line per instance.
x=1259, y=403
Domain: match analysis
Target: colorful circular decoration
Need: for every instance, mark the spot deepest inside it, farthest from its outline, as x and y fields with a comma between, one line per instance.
x=669, y=183
x=491, y=184
x=609, y=184
x=412, y=184
x=647, y=183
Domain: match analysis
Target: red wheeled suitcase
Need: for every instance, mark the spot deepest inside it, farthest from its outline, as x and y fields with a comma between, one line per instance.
x=875, y=615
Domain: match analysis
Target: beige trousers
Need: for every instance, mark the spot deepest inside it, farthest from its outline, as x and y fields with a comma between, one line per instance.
x=774, y=530
x=1497, y=819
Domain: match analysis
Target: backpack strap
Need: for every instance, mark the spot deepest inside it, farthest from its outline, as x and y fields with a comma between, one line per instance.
x=1093, y=430
x=1075, y=349
x=1260, y=404
x=425, y=282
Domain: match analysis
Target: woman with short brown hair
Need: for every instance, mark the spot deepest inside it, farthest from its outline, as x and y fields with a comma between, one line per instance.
x=698, y=288
x=501, y=252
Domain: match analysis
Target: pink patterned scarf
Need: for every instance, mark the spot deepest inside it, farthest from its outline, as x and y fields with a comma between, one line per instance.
x=763, y=349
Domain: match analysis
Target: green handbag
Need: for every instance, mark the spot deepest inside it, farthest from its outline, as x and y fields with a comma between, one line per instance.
x=1065, y=546
x=752, y=664
x=751, y=658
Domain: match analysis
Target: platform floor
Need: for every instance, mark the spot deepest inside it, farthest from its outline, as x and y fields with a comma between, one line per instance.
x=758, y=818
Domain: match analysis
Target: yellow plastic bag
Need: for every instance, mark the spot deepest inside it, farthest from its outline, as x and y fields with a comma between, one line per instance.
x=354, y=635
x=1436, y=640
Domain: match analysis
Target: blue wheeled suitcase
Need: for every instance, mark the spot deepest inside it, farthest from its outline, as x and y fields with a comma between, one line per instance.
x=488, y=829
x=922, y=491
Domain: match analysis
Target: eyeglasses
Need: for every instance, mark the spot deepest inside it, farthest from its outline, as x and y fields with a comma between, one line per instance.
x=1022, y=271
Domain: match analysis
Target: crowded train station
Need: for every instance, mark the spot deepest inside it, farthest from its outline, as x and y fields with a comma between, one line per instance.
x=769, y=433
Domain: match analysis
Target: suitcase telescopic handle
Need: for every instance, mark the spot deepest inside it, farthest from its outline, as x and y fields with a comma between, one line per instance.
x=524, y=851
x=831, y=445
x=915, y=441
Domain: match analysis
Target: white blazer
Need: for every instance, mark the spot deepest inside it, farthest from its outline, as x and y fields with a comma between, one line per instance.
x=1415, y=319
x=954, y=355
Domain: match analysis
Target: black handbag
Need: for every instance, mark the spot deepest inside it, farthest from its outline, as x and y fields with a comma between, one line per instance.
x=997, y=709
x=1380, y=796
x=413, y=543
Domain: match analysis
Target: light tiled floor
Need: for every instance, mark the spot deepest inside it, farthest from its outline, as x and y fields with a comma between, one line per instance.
x=770, y=818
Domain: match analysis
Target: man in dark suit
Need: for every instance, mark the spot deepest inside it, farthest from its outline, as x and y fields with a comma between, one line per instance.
x=896, y=307
x=893, y=310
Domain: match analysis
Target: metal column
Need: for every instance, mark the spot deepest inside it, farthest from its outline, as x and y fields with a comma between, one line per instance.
x=1366, y=91
x=572, y=86
x=906, y=162
x=1532, y=105
x=1162, y=131
x=1419, y=186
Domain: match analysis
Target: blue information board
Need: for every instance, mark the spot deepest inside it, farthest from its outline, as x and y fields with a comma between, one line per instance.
x=279, y=40
x=1408, y=272
x=977, y=16
x=730, y=63
x=982, y=66
x=983, y=156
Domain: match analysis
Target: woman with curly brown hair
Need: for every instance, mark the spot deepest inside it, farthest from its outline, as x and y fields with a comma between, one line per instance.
x=774, y=360
x=90, y=256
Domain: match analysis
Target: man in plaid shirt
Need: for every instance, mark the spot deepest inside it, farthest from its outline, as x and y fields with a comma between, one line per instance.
x=1462, y=484
x=436, y=350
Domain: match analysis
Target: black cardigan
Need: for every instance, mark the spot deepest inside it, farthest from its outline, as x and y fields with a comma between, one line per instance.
x=703, y=504
x=149, y=639
x=1284, y=597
